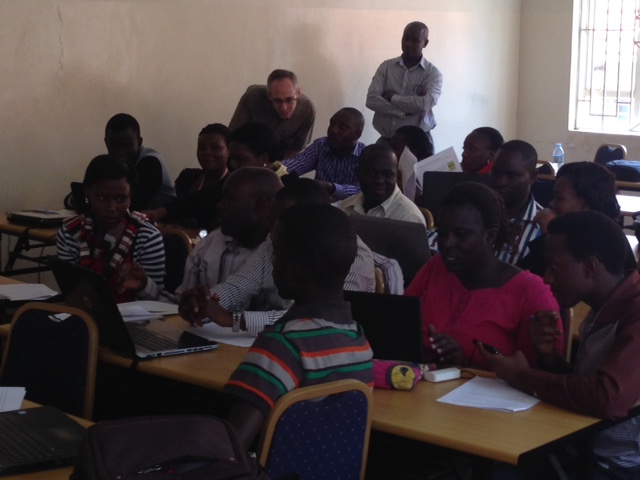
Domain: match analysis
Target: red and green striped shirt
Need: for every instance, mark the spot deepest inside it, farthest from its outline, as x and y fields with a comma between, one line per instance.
x=310, y=344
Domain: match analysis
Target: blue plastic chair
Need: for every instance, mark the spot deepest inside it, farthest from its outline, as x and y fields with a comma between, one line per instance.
x=319, y=432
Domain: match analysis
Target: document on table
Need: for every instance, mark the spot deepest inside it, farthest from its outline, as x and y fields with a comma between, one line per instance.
x=11, y=398
x=490, y=394
x=151, y=306
x=444, y=161
x=26, y=291
x=213, y=331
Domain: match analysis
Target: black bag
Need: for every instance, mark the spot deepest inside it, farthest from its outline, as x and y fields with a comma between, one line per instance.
x=180, y=447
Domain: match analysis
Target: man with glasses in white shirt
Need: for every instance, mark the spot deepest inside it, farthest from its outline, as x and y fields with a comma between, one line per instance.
x=281, y=105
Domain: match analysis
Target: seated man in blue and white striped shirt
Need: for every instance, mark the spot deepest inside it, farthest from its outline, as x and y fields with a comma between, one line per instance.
x=251, y=290
x=334, y=157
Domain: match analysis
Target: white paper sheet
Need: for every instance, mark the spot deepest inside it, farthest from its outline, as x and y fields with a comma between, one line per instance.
x=27, y=291
x=213, y=331
x=135, y=313
x=11, y=398
x=406, y=165
x=152, y=306
x=444, y=161
x=490, y=394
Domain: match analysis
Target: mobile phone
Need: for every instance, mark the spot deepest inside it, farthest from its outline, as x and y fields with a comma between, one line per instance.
x=487, y=347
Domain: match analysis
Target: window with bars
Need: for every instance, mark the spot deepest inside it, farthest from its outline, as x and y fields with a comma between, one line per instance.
x=606, y=97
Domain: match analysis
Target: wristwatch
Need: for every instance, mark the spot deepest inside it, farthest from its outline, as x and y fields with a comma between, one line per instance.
x=236, y=316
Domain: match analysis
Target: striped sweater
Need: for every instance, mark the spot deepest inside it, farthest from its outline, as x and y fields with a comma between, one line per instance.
x=311, y=344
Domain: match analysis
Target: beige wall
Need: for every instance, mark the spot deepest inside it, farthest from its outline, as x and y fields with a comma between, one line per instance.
x=544, y=84
x=67, y=66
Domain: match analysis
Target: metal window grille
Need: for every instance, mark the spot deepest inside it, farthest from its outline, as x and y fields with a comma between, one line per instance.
x=608, y=47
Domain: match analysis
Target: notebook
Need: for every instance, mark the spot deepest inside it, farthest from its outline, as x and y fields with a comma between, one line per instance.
x=88, y=291
x=435, y=185
x=37, y=438
x=40, y=218
x=391, y=323
x=405, y=242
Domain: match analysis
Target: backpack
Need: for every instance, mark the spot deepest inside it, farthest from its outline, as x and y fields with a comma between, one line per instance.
x=178, y=447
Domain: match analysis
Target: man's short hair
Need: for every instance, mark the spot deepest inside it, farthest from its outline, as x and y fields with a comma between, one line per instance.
x=216, y=129
x=303, y=190
x=321, y=239
x=121, y=122
x=417, y=140
x=592, y=234
x=355, y=114
x=280, y=74
x=374, y=150
x=525, y=149
x=258, y=137
x=494, y=137
x=419, y=25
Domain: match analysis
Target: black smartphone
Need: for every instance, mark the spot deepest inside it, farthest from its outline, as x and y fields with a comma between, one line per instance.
x=487, y=347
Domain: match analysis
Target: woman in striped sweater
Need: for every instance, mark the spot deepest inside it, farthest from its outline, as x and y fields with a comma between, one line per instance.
x=110, y=239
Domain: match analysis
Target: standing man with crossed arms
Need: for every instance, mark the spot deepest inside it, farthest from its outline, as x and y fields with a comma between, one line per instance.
x=405, y=89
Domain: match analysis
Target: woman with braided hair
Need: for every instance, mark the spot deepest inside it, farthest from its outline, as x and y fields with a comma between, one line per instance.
x=468, y=293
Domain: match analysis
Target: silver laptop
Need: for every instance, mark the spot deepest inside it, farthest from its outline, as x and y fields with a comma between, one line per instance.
x=148, y=339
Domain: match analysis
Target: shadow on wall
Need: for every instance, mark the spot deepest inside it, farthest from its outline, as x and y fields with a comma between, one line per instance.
x=328, y=94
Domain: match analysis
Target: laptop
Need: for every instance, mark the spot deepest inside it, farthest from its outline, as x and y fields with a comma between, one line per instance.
x=40, y=218
x=435, y=185
x=405, y=242
x=391, y=323
x=36, y=439
x=88, y=291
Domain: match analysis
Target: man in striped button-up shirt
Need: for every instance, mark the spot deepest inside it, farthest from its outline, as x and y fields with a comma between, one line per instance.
x=334, y=157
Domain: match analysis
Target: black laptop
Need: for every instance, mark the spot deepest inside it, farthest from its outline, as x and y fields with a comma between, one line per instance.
x=391, y=323
x=39, y=218
x=88, y=291
x=37, y=439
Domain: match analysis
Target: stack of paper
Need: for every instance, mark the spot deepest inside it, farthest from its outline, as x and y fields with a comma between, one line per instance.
x=445, y=161
x=490, y=394
x=146, y=310
x=213, y=331
x=26, y=291
x=11, y=398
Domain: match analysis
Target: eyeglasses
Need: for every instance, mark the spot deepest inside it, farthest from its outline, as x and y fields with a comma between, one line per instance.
x=284, y=101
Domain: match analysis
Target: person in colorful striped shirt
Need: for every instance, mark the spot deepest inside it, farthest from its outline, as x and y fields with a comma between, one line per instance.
x=317, y=340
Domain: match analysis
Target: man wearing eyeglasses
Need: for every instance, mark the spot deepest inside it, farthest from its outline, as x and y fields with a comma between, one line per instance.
x=281, y=105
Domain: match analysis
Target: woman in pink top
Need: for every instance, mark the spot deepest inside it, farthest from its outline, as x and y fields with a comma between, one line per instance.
x=468, y=293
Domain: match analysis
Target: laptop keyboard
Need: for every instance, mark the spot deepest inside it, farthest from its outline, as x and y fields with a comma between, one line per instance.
x=19, y=446
x=153, y=341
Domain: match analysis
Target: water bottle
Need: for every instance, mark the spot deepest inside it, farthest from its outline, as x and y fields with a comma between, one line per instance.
x=558, y=156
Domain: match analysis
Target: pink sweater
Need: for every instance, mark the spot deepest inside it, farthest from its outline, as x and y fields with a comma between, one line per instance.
x=497, y=316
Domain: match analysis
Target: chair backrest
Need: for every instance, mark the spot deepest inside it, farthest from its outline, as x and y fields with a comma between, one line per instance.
x=428, y=217
x=319, y=432
x=177, y=247
x=53, y=357
x=545, y=168
x=610, y=151
x=625, y=170
x=542, y=189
